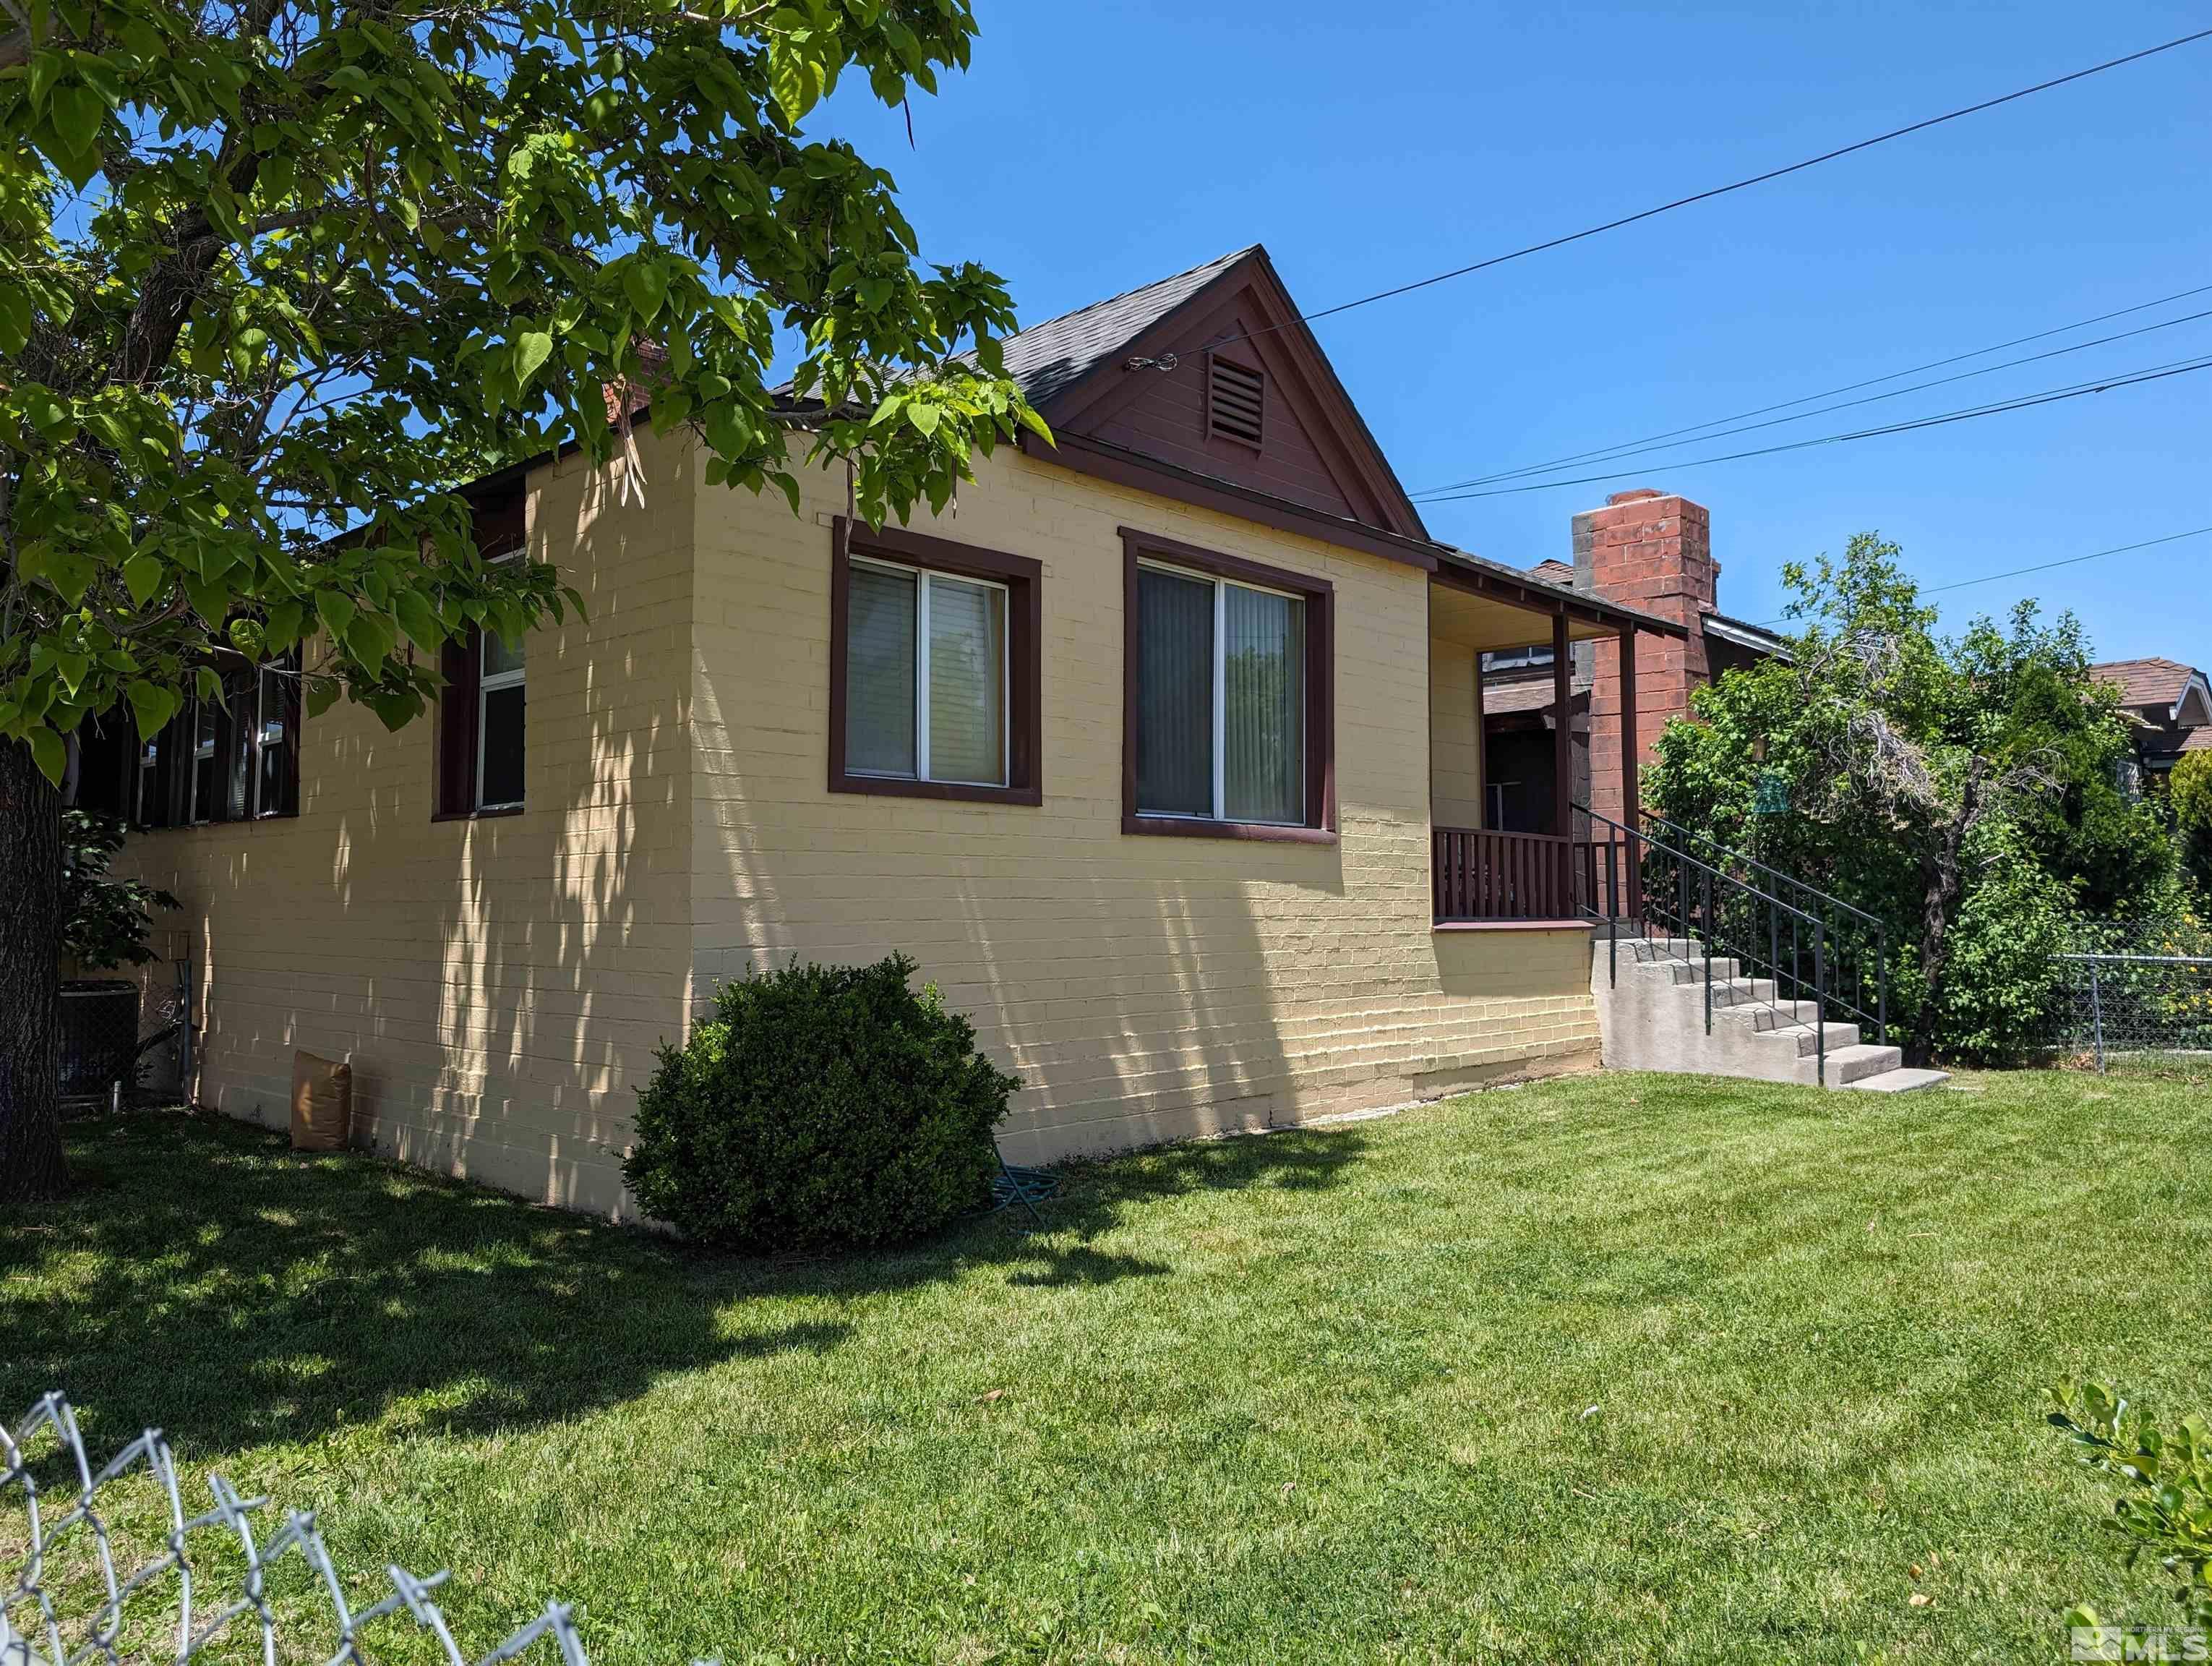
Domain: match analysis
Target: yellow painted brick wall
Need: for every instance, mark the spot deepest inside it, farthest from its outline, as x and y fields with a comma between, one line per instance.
x=1144, y=988
x=1455, y=738
x=499, y=984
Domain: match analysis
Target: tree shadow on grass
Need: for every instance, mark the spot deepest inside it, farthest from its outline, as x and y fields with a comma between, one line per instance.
x=204, y=1277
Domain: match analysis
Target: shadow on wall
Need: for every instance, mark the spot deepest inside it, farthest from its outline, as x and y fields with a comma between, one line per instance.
x=204, y=1279
x=1122, y=978
x=499, y=983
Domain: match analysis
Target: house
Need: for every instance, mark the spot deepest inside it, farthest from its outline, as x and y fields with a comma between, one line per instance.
x=2172, y=706
x=1646, y=549
x=1150, y=749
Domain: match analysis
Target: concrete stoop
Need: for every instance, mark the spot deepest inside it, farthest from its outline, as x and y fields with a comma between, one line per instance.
x=1652, y=1016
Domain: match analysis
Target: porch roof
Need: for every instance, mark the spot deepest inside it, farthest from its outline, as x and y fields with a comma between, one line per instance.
x=1487, y=604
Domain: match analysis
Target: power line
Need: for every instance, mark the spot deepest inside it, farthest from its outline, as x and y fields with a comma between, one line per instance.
x=2041, y=566
x=1617, y=454
x=1740, y=185
x=2050, y=396
x=1652, y=441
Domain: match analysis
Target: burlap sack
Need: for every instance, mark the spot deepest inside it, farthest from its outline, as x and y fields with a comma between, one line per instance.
x=322, y=1104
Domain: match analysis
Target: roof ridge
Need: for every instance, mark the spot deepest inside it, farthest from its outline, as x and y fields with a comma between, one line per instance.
x=1229, y=258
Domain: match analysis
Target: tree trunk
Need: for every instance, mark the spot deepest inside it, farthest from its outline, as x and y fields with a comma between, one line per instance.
x=30, y=980
x=1942, y=886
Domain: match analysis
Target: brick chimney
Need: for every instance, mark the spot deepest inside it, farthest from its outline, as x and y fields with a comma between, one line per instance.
x=1652, y=551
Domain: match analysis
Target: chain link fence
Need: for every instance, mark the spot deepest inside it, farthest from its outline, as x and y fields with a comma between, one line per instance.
x=127, y=1037
x=72, y=1593
x=2140, y=997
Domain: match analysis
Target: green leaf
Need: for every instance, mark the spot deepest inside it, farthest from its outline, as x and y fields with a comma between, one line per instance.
x=77, y=113
x=319, y=694
x=51, y=751
x=142, y=577
x=335, y=610
x=419, y=620
x=152, y=705
x=794, y=79
x=924, y=417
x=647, y=286
x=370, y=638
x=531, y=348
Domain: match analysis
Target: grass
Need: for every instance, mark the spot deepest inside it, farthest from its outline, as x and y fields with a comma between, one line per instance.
x=1617, y=1367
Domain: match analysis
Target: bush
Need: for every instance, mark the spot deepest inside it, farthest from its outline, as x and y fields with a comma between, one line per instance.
x=2191, y=789
x=824, y=1107
x=105, y=921
x=2164, y=1511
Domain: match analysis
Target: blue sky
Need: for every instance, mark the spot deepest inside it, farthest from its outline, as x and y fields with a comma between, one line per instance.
x=1095, y=147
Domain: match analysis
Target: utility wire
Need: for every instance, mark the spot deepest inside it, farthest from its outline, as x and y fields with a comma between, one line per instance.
x=1617, y=454
x=2050, y=396
x=2040, y=567
x=1722, y=191
x=1604, y=453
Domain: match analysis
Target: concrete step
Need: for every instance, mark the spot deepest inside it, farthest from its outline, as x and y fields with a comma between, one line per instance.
x=1784, y=1014
x=1846, y=1065
x=1746, y=993
x=1900, y=1080
x=1661, y=948
x=1804, y=1039
x=1694, y=971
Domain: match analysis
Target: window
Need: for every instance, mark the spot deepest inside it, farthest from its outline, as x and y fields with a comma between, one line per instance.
x=481, y=713
x=227, y=760
x=1236, y=401
x=1227, y=708
x=934, y=668
x=480, y=727
x=926, y=676
x=1516, y=659
x=498, y=723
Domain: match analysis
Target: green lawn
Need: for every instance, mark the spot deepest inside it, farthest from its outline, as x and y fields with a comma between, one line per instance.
x=1620, y=1367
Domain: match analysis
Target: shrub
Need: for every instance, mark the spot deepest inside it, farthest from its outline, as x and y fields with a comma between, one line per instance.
x=2164, y=1511
x=2190, y=787
x=822, y=1107
x=105, y=921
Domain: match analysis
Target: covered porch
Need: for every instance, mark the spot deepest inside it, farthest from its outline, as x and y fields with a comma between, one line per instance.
x=1515, y=851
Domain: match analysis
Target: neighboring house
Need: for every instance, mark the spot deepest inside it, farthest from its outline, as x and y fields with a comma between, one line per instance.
x=2172, y=706
x=1644, y=549
x=1131, y=748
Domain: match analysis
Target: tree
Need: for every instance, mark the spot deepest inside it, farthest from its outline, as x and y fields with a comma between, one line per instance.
x=277, y=274
x=2189, y=788
x=1964, y=791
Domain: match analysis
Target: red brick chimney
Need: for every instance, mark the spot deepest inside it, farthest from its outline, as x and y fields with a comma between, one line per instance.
x=1652, y=550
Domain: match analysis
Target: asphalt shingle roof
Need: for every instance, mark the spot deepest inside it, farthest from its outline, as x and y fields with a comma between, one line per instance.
x=1048, y=357
x=2147, y=682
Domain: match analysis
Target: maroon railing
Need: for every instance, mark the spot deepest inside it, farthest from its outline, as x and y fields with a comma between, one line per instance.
x=1478, y=875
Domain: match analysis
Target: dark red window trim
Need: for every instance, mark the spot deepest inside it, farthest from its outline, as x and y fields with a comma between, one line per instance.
x=1320, y=597
x=1024, y=581
x=499, y=531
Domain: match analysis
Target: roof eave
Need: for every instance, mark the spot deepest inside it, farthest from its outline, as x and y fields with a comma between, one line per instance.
x=1515, y=587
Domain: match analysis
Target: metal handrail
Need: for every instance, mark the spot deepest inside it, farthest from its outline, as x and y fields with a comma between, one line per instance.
x=1727, y=910
x=1841, y=965
x=1734, y=855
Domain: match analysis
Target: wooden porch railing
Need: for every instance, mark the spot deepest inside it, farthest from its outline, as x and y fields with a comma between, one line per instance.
x=1480, y=875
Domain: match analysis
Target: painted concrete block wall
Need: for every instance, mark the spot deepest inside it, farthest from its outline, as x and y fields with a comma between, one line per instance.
x=500, y=983
x=1144, y=988
x=1455, y=737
